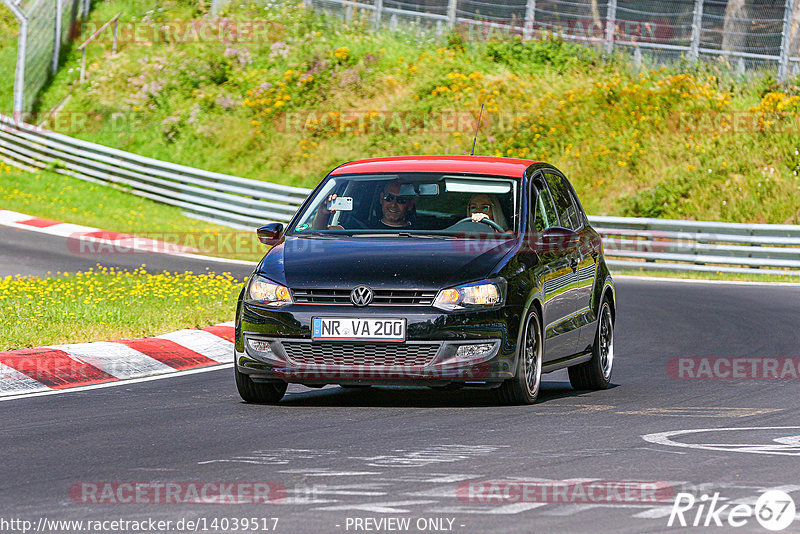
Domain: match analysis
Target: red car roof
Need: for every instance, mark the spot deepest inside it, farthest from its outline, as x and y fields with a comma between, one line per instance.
x=511, y=167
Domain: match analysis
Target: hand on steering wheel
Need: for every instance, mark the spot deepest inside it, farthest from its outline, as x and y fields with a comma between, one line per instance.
x=485, y=220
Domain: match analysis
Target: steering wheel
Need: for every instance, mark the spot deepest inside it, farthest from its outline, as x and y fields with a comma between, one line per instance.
x=487, y=221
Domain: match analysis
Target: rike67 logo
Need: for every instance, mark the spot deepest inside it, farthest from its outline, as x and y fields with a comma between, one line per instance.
x=774, y=510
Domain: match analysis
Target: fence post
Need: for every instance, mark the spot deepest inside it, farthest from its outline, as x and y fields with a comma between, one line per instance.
x=451, y=13
x=530, y=17
x=786, y=39
x=378, y=9
x=611, y=23
x=19, y=70
x=83, y=65
x=114, y=45
x=57, y=37
x=697, y=27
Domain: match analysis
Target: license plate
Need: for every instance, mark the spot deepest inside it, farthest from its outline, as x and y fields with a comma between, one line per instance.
x=352, y=329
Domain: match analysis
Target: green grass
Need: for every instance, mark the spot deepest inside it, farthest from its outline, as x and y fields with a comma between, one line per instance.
x=63, y=198
x=624, y=137
x=106, y=305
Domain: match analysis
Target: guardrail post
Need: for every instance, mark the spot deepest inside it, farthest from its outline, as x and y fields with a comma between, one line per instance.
x=697, y=27
x=452, y=6
x=530, y=17
x=378, y=9
x=786, y=38
x=611, y=23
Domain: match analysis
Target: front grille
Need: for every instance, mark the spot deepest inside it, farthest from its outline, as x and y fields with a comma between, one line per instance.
x=361, y=354
x=381, y=297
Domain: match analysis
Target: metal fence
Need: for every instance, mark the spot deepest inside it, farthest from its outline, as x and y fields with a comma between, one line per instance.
x=44, y=27
x=630, y=243
x=747, y=33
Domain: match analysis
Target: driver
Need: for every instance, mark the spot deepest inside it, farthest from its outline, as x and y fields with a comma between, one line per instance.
x=396, y=210
x=485, y=206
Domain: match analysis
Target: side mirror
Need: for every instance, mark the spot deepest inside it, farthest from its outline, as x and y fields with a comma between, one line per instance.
x=269, y=234
x=557, y=239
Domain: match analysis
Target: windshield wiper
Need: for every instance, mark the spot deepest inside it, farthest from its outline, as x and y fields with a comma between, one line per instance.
x=323, y=233
x=400, y=234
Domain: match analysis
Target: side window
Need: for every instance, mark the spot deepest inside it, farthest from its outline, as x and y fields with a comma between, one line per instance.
x=545, y=214
x=565, y=206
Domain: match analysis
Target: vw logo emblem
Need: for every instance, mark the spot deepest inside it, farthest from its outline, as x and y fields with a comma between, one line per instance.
x=361, y=296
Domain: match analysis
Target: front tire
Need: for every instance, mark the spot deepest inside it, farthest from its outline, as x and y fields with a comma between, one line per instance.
x=524, y=387
x=258, y=393
x=596, y=373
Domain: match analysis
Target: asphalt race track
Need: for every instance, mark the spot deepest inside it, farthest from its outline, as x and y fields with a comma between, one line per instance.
x=343, y=460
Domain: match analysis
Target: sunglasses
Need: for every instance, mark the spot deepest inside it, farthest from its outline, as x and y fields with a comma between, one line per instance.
x=392, y=198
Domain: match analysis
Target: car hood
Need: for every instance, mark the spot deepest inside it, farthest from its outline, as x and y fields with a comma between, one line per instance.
x=397, y=262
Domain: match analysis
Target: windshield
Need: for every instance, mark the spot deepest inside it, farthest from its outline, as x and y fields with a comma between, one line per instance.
x=413, y=203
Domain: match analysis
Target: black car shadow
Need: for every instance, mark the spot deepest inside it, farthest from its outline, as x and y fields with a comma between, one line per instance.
x=417, y=397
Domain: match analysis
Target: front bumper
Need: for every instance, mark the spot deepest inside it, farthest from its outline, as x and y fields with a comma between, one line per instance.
x=276, y=345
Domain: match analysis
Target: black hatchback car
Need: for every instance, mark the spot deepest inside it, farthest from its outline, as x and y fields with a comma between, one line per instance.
x=444, y=271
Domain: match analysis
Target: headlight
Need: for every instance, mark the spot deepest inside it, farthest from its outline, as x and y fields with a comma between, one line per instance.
x=483, y=294
x=266, y=292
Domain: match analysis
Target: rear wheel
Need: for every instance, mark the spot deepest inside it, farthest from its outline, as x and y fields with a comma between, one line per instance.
x=524, y=387
x=596, y=373
x=258, y=393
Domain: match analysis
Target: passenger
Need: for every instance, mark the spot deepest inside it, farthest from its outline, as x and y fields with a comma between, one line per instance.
x=485, y=206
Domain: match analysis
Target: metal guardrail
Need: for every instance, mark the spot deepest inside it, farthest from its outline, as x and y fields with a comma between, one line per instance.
x=673, y=245
x=222, y=198
x=629, y=242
